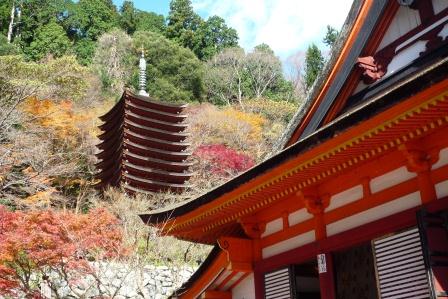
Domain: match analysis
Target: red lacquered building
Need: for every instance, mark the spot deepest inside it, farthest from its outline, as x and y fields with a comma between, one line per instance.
x=355, y=202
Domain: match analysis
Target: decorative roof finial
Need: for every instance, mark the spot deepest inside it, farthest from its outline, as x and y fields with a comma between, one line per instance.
x=142, y=77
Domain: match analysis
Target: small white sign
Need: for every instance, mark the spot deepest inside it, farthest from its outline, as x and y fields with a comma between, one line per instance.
x=45, y=290
x=322, y=263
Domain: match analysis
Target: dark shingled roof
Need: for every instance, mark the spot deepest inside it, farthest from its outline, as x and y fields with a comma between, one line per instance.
x=421, y=74
x=366, y=30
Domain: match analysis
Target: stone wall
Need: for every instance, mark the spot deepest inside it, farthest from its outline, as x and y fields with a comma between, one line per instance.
x=122, y=282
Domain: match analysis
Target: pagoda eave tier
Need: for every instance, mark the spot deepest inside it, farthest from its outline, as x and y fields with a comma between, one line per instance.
x=143, y=146
x=158, y=133
x=156, y=163
x=154, y=142
x=151, y=185
x=154, y=123
x=151, y=152
x=151, y=113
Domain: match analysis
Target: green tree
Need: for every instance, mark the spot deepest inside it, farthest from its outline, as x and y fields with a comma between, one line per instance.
x=264, y=70
x=84, y=49
x=128, y=17
x=264, y=48
x=182, y=23
x=5, y=13
x=213, y=36
x=7, y=48
x=96, y=17
x=114, y=60
x=174, y=73
x=150, y=21
x=314, y=62
x=35, y=14
x=50, y=39
x=233, y=75
x=330, y=36
x=226, y=77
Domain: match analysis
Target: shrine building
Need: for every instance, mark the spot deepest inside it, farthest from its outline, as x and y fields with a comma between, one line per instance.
x=354, y=204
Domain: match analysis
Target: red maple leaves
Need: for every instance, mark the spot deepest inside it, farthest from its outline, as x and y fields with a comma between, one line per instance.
x=222, y=160
x=36, y=243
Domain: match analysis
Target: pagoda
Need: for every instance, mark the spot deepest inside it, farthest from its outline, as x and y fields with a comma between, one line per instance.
x=143, y=145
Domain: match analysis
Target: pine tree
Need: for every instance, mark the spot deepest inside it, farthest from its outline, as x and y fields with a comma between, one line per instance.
x=128, y=17
x=314, y=62
x=330, y=36
x=182, y=23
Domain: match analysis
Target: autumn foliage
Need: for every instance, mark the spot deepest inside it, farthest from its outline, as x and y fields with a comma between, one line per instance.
x=222, y=160
x=36, y=244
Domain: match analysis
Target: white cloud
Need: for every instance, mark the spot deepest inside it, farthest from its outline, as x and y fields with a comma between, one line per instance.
x=287, y=26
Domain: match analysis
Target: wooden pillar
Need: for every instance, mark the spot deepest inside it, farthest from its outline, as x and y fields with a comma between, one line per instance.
x=420, y=162
x=319, y=226
x=426, y=186
x=316, y=204
x=326, y=276
x=254, y=229
x=259, y=284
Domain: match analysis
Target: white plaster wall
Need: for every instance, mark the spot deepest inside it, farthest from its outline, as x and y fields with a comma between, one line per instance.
x=289, y=244
x=273, y=227
x=370, y=215
x=442, y=189
x=404, y=21
x=232, y=281
x=390, y=179
x=443, y=159
x=444, y=32
x=406, y=56
x=298, y=217
x=345, y=197
x=245, y=289
x=217, y=282
x=439, y=5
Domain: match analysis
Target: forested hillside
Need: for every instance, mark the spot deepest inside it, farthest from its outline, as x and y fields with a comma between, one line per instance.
x=63, y=63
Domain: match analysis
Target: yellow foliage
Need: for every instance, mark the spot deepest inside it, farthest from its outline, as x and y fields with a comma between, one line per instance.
x=235, y=117
x=63, y=118
x=42, y=197
x=239, y=130
x=56, y=115
x=276, y=111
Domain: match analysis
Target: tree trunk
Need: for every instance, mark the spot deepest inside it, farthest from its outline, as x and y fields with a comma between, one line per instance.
x=11, y=23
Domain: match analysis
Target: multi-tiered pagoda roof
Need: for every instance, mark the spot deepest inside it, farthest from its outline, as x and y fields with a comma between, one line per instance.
x=143, y=146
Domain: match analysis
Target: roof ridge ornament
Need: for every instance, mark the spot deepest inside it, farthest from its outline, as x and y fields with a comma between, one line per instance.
x=142, y=76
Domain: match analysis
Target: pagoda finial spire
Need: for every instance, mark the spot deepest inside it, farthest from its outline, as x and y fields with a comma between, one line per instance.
x=142, y=77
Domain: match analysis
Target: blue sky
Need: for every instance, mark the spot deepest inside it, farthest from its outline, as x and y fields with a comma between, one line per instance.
x=158, y=6
x=287, y=26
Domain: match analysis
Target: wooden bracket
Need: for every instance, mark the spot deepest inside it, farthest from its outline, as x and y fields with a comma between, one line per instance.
x=314, y=203
x=252, y=227
x=418, y=160
x=316, y=206
x=374, y=68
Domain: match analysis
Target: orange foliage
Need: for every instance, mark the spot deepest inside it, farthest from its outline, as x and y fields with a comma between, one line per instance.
x=63, y=117
x=56, y=115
